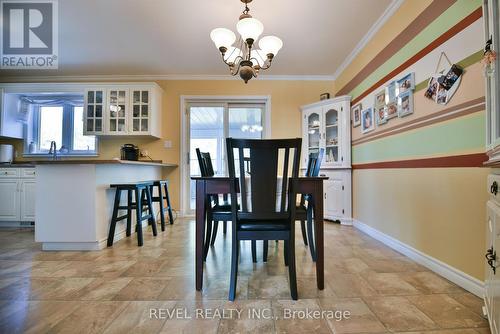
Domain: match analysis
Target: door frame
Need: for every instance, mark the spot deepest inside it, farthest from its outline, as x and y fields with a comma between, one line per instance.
x=185, y=100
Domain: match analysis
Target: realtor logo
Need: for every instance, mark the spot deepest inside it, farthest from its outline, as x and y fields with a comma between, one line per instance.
x=29, y=34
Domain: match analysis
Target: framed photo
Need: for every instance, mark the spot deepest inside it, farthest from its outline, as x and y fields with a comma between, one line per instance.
x=324, y=96
x=381, y=113
x=442, y=95
x=380, y=98
x=356, y=115
x=405, y=104
x=367, y=122
x=406, y=83
x=449, y=79
x=392, y=110
x=390, y=93
x=432, y=88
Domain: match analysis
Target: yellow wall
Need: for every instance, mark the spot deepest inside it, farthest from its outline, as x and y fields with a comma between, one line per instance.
x=286, y=99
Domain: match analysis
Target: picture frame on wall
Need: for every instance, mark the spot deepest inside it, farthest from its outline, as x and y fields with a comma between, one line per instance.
x=356, y=115
x=381, y=114
x=406, y=83
x=405, y=104
x=390, y=93
x=392, y=110
x=380, y=98
x=367, y=121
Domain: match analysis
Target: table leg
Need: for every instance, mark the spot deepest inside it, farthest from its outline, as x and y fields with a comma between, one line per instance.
x=318, y=224
x=200, y=231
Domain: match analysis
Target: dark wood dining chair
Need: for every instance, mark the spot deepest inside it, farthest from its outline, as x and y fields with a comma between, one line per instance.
x=256, y=165
x=217, y=210
x=304, y=211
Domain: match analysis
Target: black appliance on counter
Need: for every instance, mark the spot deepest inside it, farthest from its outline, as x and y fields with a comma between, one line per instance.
x=130, y=152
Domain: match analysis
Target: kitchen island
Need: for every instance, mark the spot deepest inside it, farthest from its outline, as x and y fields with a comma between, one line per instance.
x=74, y=202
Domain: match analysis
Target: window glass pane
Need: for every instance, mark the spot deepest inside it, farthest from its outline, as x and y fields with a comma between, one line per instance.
x=51, y=126
x=245, y=122
x=81, y=142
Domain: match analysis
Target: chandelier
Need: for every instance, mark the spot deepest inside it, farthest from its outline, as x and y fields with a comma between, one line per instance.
x=244, y=58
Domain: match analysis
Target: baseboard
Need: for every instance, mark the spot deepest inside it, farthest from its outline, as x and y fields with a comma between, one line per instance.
x=467, y=282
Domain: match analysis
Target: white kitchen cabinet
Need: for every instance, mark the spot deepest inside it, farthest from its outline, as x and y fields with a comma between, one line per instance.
x=9, y=200
x=27, y=201
x=326, y=125
x=118, y=109
x=17, y=194
x=10, y=107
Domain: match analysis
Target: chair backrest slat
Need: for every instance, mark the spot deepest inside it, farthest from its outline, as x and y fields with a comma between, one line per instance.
x=258, y=174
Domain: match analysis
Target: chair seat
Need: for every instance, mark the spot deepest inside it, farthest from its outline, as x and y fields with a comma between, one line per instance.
x=263, y=225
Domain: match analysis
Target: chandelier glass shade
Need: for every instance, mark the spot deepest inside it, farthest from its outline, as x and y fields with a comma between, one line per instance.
x=241, y=55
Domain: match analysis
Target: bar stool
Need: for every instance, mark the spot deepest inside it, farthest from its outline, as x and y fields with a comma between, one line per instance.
x=141, y=190
x=162, y=186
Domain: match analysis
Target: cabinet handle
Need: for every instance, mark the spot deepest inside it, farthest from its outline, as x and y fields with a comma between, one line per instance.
x=494, y=188
x=491, y=256
x=325, y=195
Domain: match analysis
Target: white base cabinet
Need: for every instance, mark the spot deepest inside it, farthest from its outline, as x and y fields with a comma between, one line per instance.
x=326, y=125
x=17, y=194
x=337, y=195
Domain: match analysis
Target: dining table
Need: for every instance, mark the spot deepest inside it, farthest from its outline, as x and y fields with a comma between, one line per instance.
x=219, y=185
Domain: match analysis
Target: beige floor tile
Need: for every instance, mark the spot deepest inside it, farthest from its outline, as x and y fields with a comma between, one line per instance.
x=359, y=319
x=140, y=317
x=37, y=316
x=389, y=284
x=102, y=314
x=102, y=288
x=203, y=316
x=143, y=288
x=427, y=282
x=398, y=314
x=447, y=312
x=241, y=317
x=301, y=316
x=472, y=302
x=350, y=285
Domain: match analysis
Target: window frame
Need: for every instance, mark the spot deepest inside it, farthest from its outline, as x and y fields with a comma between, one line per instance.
x=67, y=132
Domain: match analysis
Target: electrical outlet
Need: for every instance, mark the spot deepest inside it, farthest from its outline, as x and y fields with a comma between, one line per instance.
x=167, y=144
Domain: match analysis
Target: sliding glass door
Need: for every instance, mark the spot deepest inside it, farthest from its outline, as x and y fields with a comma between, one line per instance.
x=209, y=124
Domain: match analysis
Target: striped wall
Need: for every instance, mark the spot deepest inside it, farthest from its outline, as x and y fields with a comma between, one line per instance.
x=419, y=178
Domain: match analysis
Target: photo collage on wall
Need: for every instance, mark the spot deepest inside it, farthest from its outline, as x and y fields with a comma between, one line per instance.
x=394, y=100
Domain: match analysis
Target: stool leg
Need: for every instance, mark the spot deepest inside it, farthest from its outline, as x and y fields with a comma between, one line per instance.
x=162, y=209
x=129, y=212
x=112, y=226
x=169, y=207
x=151, y=218
x=138, y=211
x=214, y=232
x=265, y=250
x=224, y=227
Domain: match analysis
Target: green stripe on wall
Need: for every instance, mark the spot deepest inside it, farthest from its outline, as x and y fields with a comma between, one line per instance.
x=448, y=138
x=464, y=63
x=443, y=23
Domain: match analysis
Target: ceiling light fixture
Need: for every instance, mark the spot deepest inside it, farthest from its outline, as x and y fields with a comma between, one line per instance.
x=244, y=58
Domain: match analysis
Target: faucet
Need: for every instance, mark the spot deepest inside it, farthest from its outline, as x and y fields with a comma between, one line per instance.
x=53, y=150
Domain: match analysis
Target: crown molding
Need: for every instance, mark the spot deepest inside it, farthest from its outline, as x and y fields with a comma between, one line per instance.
x=160, y=77
x=389, y=11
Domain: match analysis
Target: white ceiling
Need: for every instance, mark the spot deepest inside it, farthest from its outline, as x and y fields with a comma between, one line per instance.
x=168, y=37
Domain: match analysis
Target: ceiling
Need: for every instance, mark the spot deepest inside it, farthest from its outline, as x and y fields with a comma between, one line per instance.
x=171, y=37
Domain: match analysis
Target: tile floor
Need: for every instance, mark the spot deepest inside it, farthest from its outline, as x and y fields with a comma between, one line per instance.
x=119, y=289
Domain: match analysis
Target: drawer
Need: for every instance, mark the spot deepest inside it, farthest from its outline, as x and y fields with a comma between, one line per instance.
x=9, y=172
x=28, y=172
x=493, y=187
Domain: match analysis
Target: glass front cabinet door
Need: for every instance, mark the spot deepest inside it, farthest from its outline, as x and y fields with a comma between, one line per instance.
x=117, y=111
x=93, y=123
x=141, y=111
x=314, y=133
x=332, y=131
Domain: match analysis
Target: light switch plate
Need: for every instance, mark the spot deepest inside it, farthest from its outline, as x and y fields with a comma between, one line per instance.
x=167, y=144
